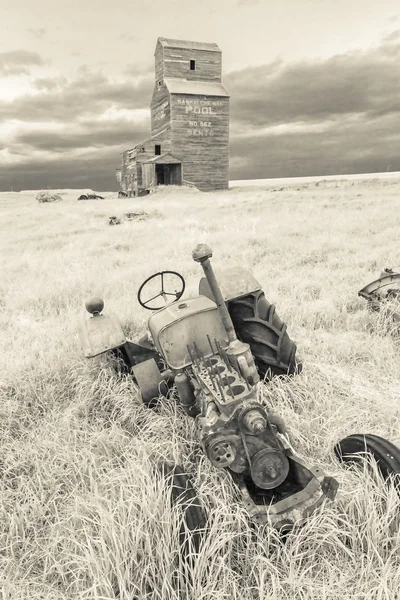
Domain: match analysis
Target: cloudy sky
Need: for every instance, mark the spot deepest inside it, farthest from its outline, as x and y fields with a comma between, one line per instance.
x=314, y=84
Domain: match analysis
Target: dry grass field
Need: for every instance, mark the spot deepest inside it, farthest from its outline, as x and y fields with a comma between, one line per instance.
x=82, y=515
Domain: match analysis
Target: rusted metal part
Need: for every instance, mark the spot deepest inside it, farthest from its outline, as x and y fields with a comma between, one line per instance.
x=269, y=468
x=238, y=353
x=280, y=509
x=375, y=296
x=202, y=254
x=235, y=431
x=369, y=291
x=90, y=197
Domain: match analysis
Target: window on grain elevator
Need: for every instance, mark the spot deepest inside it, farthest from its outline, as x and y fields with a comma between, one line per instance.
x=192, y=65
x=157, y=149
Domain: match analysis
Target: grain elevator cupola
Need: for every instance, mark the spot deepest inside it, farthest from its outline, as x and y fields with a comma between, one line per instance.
x=189, y=141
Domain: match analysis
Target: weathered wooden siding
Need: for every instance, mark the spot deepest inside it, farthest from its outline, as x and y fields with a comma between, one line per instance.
x=131, y=172
x=158, y=60
x=200, y=137
x=148, y=175
x=146, y=149
x=160, y=108
x=177, y=64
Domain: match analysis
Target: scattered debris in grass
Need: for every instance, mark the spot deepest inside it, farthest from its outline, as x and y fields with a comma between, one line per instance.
x=45, y=196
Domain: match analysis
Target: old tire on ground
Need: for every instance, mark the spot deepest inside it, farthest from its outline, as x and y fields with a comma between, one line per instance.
x=183, y=495
x=387, y=456
x=257, y=324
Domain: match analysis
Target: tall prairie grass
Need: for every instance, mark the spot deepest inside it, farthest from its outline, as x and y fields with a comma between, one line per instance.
x=83, y=513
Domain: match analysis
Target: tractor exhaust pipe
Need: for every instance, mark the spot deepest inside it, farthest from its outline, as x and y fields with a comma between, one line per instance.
x=202, y=254
x=239, y=353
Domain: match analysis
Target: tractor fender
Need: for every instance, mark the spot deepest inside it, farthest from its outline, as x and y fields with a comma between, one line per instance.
x=234, y=283
x=369, y=290
x=100, y=333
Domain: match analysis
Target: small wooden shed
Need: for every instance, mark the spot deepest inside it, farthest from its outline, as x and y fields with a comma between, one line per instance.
x=189, y=141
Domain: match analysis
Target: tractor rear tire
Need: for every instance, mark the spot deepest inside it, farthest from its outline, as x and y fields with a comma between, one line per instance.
x=183, y=494
x=387, y=455
x=257, y=324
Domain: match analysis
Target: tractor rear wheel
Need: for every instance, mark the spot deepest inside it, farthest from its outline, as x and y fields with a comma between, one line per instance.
x=387, y=456
x=257, y=324
x=184, y=496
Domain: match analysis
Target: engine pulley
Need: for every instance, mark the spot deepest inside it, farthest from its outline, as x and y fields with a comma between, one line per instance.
x=269, y=468
x=221, y=452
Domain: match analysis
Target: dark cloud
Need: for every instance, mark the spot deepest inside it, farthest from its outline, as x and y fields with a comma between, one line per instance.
x=95, y=172
x=19, y=62
x=91, y=134
x=89, y=94
x=346, y=146
x=352, y=83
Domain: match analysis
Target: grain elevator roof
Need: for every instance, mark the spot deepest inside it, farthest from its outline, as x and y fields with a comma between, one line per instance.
x=196, y=88
x=190, y=45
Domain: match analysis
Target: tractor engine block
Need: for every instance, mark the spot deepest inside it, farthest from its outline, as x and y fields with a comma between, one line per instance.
x=233, y=426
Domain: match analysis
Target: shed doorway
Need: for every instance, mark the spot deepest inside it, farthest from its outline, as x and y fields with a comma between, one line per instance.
x=169, y=174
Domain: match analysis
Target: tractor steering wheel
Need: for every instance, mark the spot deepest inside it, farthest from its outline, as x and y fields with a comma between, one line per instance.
x=172, y=279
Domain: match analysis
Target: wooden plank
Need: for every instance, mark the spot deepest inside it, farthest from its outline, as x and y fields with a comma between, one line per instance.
x=208, y=64
x=200, y=137
x=160, y=108
x=148, y=175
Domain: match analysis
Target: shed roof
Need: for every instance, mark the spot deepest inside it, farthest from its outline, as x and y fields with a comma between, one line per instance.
x=165, y=158
x=206, y=88
x=211, y=47
x=152, y=137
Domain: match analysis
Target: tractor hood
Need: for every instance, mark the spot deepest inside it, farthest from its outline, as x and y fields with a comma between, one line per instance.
x=234, y=282
x=185, y=323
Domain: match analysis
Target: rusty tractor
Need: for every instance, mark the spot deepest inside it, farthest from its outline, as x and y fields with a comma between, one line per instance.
x=214, y=348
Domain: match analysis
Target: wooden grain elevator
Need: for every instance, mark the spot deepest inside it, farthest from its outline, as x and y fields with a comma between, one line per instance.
x=189, y=142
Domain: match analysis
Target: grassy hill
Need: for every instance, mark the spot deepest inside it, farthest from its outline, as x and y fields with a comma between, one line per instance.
x=81, y=514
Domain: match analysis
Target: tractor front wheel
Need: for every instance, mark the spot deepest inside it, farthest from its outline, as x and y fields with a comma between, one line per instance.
x=257, y=324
